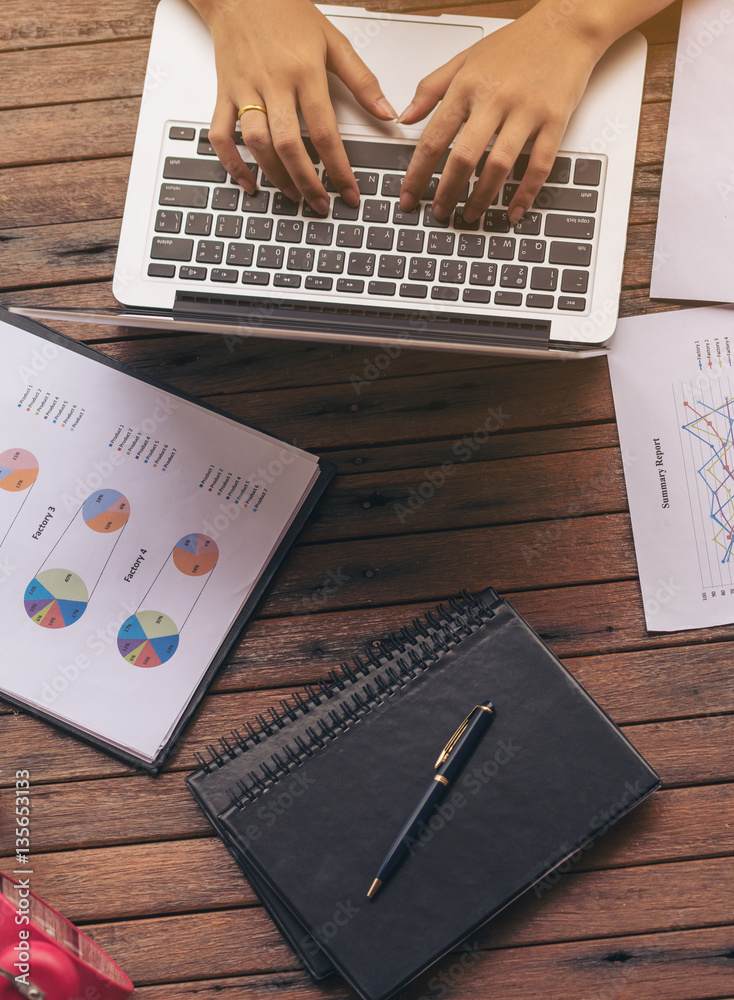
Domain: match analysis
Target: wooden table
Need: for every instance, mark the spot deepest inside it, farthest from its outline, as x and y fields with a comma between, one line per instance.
x=539, y=511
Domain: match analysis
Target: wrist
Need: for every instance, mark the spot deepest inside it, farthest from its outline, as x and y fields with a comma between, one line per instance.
x=585, y=21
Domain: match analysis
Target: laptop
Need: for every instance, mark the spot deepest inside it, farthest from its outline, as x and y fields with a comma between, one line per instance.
x=197, y=252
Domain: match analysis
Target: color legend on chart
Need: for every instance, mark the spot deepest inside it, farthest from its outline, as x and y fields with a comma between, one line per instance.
x=56, y=598
x=106, y=511
x=147, y=639
x=18, y=470
x=196, y=555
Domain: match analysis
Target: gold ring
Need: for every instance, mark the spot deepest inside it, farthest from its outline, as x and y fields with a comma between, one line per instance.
x=252, y=107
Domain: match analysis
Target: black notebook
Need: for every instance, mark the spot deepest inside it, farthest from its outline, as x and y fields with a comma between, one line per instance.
x=323, y=788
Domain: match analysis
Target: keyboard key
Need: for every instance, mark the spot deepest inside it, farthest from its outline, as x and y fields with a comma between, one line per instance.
x=534, y=301
x=391, y=267
x=240, y=254
x=560, y=171
x=340, y=210
x=287, y=280
x=328, y=183
x=257, y=202
x=382, y=155
x=229, y=226
x=209, y=252
x=192, y=273
x=587, y=172
x=496, y=221
x=482, y=274
x=391, y=184
x=414, y=291
x=354, y=285
x=311, y=213
x=223, y=274
x=567, y=199
x=225, y=199
x=529, y=225
x=452, y=272
x=442, y=243
x=161, y=270
x=271, y=256
x=401, y=218
x=320, y=233
x=184, y=169
x=311, y=150
x=575, y=304
x=380, y=239
x=289, y=232
x=198, y=224
x=573, y=227
x=301, y=259
x=167, y=248
x=259, y=229
x=508, y=298
x=430, y=220
x=349, y=236
x=184, y=196
x=252, y=167
x=430, y=193
x=331, y=261
x=367, y=183
x=575, y=281
x=411, y=240
x=376, y=211
x=319, y=283
x=178, y=132
x=570, y=253
x=544, y=279
x=422, y=269
x=447, y=293
x=502, y=247
x=471, y=246
x=204, y=147
x=265, y=182
x=168, y=222
x=460, y=224
x=481, y=295
x=283, y=205
x=381, y=288
x=513, y=276
x=361, y=263
x=255, y=278
x=532, y=250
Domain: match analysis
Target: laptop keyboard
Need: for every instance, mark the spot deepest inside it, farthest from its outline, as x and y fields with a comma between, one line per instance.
x=208, y=231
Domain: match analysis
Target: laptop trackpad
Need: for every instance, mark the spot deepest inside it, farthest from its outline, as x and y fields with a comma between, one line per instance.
x=400, y=53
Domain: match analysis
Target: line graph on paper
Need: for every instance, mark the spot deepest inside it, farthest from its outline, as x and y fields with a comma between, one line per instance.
x=706, y=432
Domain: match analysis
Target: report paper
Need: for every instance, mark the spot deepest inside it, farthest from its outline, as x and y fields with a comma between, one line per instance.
x=134, y=525
x=673, y=383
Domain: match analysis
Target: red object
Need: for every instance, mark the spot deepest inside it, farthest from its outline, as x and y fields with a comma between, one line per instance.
x=43, y=956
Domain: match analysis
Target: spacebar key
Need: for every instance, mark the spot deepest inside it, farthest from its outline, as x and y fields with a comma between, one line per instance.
x=182, y=169
x=383, y=155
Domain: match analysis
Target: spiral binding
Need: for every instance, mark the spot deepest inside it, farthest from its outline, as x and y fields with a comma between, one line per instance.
x=391, y=664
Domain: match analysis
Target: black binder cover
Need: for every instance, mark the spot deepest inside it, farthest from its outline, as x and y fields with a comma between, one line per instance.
x=551, y=773
x=326, y=473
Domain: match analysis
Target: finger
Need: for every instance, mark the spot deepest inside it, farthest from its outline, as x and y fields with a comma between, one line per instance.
x=469, y=146
x=257, y=138
x=431, y=90
x=285, y=132
x=511, y=138
x=347, y=65
x=323, y=129
x=221, y=134
x=541, y=162
x=437, y=137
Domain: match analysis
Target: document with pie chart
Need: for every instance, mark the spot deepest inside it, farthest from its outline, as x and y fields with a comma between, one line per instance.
x=138, y=529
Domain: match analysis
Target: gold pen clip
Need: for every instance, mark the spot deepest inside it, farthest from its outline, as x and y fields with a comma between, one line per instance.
x=443, y=756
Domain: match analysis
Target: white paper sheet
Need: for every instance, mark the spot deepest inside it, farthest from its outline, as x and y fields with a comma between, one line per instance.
x=133, y=527
x=673, y=384
x=694, y=244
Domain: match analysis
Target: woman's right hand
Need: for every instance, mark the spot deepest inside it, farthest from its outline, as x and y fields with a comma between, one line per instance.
x=276, y=54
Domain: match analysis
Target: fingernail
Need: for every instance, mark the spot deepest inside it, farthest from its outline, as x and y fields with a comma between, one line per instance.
x=407, y=204
x=408, y=111
x=469, y=215
x=441, y=212
x=322, y=206
x=386, y=108
x=516, y=214
x=351, y=197
x=292, y=192
x=247, y=185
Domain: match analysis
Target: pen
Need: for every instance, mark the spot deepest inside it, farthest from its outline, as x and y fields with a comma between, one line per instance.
x=449, y=764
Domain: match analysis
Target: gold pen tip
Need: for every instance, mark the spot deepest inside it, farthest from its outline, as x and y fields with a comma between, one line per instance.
x=373, y=888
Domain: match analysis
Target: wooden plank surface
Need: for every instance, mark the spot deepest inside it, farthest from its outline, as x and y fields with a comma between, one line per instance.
x=532, y=499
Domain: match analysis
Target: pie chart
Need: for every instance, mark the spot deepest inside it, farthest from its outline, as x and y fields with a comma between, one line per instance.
x=56, y=598
x=18, y=470
x=196, y=555
x=106, y=511
x=147, y=639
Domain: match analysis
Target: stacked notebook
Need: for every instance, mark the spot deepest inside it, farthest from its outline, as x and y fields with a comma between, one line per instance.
x=309, y=802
